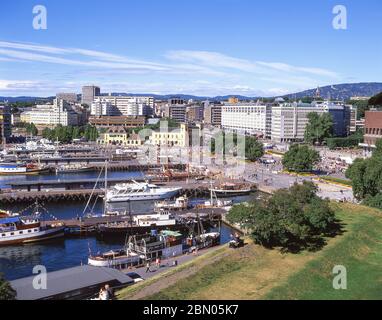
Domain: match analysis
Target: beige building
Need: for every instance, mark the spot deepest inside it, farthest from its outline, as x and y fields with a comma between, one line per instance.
x=114, y=136
x=177, y=137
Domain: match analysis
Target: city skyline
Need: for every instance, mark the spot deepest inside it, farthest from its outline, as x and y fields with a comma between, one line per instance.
x=182, y=48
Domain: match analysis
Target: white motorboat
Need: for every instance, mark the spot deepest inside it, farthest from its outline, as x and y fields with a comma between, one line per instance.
x=139, y=191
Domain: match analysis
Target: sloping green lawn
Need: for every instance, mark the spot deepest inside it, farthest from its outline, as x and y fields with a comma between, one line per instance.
x=359, y=250
x=257, y=273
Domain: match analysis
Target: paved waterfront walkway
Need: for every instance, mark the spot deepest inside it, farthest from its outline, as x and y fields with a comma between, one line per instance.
x=168, y=264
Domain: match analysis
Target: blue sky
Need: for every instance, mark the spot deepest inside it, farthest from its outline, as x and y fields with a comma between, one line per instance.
x=203, y=47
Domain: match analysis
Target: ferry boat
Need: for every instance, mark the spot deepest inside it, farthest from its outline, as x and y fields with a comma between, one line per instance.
x=22, y=169
x=73, y=168
x=22, y=230
x=139, y=191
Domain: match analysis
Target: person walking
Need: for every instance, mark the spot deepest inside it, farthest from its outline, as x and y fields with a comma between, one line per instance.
x=148, y=266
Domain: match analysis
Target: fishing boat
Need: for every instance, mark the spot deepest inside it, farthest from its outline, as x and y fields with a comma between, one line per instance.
x=203, y=241
x=74, y=168
x=135, y=191
x=180, y=203
x=229, y=189
x=114, y=258
x=22, y=169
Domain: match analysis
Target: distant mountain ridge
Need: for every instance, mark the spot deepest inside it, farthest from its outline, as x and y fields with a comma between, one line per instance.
x=338, y=92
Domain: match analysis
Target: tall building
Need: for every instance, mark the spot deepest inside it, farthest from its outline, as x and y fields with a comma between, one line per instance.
x=89, y=93
x=177, y=112
x=5, y=123
x=213, y=114
x=195, y=113
x=49, y=115
x=68, y=97
x=246, y=118
x=341, y=115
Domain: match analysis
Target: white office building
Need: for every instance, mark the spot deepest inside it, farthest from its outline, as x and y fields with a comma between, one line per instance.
x=289, y=121
x=51, y=115
x=128, y=106
x=248, y=118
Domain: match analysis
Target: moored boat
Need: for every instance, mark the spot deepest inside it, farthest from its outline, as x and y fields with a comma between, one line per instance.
x=139, y=191
x=180, y=203
x=22, y=230
x=74, y=168
x=22, y=169
x=232, y=189
x=114, y=258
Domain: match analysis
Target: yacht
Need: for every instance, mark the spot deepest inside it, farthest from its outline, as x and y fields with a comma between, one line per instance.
x=139, y=191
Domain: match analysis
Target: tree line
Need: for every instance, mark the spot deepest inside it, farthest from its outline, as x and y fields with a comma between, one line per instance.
x=67, y=134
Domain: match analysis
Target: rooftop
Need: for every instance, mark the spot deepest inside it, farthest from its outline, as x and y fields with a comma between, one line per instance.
x=67, y=280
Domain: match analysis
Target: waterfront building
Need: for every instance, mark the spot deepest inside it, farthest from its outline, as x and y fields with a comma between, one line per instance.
x=246, y=118
x=109, y=121
x=123, y=105
x=114, y=136
x=135, y=140
x=68, y=97
x=5, y=123
x=173, y=137
x=51, y=115
x=89, y=93
x=373, y=129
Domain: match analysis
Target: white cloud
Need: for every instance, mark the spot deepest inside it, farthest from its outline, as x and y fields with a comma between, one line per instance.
x=184, y=71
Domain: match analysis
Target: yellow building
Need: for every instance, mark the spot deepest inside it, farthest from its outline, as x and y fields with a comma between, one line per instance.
x=135, y=140
x=175, y=137
x=114, y=136
x=233, y=100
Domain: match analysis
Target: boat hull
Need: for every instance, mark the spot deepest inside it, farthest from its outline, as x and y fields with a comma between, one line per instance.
x=42, y=235
x=231, y=193
x=148, y=197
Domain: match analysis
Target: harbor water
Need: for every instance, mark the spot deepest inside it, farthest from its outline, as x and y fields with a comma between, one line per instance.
x=18, y=261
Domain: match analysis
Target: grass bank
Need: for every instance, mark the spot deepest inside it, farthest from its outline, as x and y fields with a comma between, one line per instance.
x=257, y=273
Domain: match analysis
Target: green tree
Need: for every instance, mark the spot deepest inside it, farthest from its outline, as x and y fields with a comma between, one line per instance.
x=254, y=149
x=293, y=219
x=6, y=291
x=319, y=128
x=32, y=129
x=300, y=158
x=366, y=177
x=376, y=100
